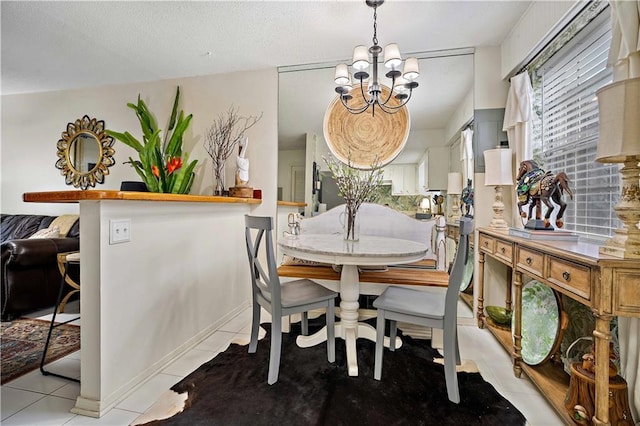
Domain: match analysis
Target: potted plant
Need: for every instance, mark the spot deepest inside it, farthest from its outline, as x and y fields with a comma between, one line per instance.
x=162, y=164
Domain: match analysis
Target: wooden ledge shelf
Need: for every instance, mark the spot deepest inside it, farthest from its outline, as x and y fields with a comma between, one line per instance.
x=291, y=204
x=98, y=195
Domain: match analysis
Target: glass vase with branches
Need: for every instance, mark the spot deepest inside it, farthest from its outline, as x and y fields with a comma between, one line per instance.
x=356, y=186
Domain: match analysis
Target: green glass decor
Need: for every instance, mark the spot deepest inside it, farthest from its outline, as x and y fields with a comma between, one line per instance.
x=162, y=165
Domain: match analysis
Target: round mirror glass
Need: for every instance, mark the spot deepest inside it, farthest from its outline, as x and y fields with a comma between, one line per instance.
x=85, y=153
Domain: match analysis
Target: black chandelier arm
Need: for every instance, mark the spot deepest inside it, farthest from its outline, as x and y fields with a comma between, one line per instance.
x=389, y=109
x=354, y=110
x=364, y=98
x=393, y=82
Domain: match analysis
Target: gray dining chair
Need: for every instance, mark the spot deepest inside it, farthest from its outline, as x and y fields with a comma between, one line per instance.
x=434, y=307
x=281, y=299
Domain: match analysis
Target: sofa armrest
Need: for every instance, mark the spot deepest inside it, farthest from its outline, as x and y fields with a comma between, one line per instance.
x=37, y=251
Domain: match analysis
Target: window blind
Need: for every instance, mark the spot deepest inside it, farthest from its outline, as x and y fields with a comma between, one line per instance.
x=567, y=136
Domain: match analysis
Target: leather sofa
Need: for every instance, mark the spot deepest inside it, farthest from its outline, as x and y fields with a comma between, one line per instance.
x=30, y=275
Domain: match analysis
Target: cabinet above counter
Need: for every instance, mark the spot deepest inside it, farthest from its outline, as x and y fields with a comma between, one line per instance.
x=432, y=170
x=430, y=174
x=402, y=178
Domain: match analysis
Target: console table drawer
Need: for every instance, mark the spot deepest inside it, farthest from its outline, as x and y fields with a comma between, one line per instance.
x=504, y=250
x=530, y=260
x=487, y=243
x=572, y=277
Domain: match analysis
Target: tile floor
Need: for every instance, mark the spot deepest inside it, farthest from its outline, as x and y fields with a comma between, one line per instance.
x=34, y=399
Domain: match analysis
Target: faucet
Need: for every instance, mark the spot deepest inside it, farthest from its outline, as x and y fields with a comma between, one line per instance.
x=294, y=224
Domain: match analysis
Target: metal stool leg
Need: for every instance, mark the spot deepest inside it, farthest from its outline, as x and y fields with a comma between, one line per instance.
x=53, y=325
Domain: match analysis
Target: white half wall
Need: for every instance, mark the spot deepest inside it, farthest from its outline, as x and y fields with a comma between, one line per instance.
x=147, y=301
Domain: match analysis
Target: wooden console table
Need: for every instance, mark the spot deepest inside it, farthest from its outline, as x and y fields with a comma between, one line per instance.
x=609, y=286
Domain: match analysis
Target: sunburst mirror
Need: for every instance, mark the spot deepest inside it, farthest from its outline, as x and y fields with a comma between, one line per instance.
x=85, y=153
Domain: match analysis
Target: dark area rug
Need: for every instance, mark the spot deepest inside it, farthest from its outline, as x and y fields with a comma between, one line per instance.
x=232, y=389
x=22, y=342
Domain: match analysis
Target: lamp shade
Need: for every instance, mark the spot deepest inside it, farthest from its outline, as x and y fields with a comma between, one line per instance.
x=399, y=86
x=392, y=58
x=498, y=164
x=454, y=183
x=411, y=69
x=619, y=109
x=360, y=57
x=425, y=204
x=341, y=76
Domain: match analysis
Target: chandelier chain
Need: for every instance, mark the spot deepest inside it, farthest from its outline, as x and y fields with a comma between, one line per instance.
x=375, y=25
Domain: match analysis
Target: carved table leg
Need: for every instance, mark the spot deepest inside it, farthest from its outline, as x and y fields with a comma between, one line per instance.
x=349, y=292
x=602, y=336
x=507, y=300
x=517, y=325
x=480, y=312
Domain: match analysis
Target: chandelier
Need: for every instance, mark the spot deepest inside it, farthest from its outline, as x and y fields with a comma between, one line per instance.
x=402, y=83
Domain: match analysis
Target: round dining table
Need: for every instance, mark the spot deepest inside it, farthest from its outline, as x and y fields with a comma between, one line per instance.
x=367, y=251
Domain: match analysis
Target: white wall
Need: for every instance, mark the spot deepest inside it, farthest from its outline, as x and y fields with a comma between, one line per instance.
x=461, y=116
x=32, y=124
x=286, y=160
x=489, y=89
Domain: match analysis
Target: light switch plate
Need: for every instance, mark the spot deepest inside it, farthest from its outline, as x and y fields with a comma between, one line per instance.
x=119, y=231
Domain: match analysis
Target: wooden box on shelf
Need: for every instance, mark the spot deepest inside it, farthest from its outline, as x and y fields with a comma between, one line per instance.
x=580, y=400
x=241, y=192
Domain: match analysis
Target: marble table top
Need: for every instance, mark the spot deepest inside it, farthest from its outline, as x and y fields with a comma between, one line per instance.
x=368, y=250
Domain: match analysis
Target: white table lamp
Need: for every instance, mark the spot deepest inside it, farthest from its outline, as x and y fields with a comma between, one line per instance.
x=619, y=142
x=425, y=205
x=498, y=172
x=454, y=189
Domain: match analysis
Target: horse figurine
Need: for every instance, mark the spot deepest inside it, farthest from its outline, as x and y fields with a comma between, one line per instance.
x=467, y=199
x=536, y=186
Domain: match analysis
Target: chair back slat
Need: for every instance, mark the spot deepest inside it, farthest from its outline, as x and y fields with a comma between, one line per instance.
x=264, y=277
x=459, y=265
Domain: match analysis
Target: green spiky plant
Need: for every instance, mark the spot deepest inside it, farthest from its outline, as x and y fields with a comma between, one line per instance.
x=162, y=165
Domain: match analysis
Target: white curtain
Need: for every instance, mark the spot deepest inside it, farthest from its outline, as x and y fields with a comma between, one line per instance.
x=624, y=57
x=518, y=123
x=466, y=155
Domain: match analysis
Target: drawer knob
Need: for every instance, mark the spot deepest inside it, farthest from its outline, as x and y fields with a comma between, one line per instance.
x=566, y=275
x=528, y=260
x=503, y=250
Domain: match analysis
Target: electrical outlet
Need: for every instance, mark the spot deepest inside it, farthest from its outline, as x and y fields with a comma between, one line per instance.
x=119, y=231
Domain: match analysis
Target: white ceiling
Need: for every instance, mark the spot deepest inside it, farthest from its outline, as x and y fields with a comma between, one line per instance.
x=58, y=45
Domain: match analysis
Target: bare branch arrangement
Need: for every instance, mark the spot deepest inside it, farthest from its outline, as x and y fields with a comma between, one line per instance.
x=221, y=139
x=356, y=186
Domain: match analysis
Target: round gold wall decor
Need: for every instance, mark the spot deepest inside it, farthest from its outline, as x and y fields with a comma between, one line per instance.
x=365, y=139
x=85, y=153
